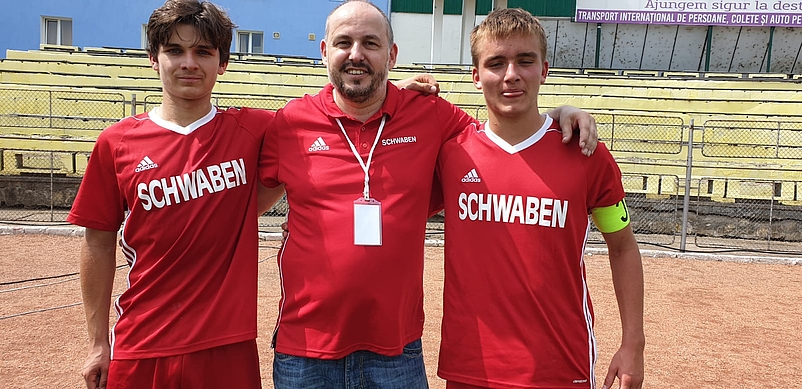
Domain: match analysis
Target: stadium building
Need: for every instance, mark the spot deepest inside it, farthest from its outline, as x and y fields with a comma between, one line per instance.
x=436, y=31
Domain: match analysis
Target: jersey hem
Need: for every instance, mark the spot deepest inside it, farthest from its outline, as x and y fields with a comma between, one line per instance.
x=164, y=352
x=497, y=384
x=322, y=354
x=91, y=223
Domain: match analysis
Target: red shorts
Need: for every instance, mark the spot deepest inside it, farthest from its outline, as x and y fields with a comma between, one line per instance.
x=460, y=385
x=230, y=366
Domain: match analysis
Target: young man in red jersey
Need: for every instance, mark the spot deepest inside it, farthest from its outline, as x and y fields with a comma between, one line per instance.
x=180, y=177
x=357, y=160
x=516, y=310
x=186, y=174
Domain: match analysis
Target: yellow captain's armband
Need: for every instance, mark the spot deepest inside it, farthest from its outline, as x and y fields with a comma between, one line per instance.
x=611, y=219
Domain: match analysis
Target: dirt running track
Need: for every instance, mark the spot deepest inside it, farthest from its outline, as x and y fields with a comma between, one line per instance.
x=709, y=324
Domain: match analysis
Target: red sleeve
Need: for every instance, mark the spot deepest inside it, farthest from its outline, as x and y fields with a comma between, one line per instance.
x=437, y=200
x=453, y=119
x=604, y=179
x=100, y=204
x=268, y=156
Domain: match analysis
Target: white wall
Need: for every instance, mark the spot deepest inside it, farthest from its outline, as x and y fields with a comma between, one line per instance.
x=413, y=35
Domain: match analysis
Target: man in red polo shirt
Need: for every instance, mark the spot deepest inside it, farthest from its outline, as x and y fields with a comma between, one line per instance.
x=357, y=160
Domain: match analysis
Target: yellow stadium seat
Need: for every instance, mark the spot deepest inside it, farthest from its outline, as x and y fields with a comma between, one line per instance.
x=641, y=73
x=564, y=72
x=642, y=116
x=675, y=74
x=601, y=72
x=770, y=76
x=723, y=75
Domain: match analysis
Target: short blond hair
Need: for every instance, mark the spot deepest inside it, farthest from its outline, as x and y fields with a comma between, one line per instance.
x=504, y=23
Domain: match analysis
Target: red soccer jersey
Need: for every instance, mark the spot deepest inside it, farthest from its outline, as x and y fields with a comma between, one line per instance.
x=516, y=307
x=338, y=297
x=191, y=234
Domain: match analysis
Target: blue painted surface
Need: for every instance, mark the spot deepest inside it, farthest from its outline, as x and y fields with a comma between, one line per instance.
x=118, y=23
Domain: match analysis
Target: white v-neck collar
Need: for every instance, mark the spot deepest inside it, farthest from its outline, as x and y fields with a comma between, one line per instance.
x=512, y=149
x=156, y=118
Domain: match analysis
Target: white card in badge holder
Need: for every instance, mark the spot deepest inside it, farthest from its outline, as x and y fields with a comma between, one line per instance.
x=367, y=222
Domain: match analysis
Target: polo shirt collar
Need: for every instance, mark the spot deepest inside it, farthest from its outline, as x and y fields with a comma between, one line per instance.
x=388, y=107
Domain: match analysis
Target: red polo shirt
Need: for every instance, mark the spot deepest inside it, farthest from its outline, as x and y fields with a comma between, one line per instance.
x=337, y=297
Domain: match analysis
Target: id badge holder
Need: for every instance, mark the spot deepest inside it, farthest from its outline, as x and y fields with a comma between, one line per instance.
x=367, y=222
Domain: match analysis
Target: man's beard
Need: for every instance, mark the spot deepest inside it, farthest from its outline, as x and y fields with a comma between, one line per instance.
x=358, y=93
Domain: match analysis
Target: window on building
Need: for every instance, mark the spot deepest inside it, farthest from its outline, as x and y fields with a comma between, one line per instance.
x=250, y=42
x=56, y=31
x=144, y=40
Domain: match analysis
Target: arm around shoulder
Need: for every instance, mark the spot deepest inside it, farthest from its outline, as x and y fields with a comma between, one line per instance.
x=571, y=119
x=424, y=83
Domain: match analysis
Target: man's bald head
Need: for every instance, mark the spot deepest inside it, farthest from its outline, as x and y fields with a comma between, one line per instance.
x=348, y=7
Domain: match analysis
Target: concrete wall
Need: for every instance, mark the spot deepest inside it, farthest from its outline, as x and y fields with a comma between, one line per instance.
x=785, y=52
x=40, y=192
x=626, y=46
x=689, y=48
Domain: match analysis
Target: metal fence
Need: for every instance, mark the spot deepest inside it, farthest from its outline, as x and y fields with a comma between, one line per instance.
x=754, y=202
x=39, y=186
x=67, y=110
x=273, y=104
x=712, y=186
x=724, y=185
x=768, y=140
x=53, y=109
x=47, y=139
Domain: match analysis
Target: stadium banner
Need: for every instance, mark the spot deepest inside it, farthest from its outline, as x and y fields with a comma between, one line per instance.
x=779, y=13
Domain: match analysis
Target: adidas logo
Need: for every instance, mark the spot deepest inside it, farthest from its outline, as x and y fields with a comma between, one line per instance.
x=319, y=145
x=471, y=177
x=146, y=164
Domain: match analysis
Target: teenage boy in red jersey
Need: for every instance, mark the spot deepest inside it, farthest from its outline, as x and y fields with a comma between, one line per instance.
x=357, y=160
x=516, y=307
x=186, y=174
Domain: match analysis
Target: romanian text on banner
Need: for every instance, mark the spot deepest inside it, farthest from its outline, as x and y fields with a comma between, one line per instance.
x=780, y=13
